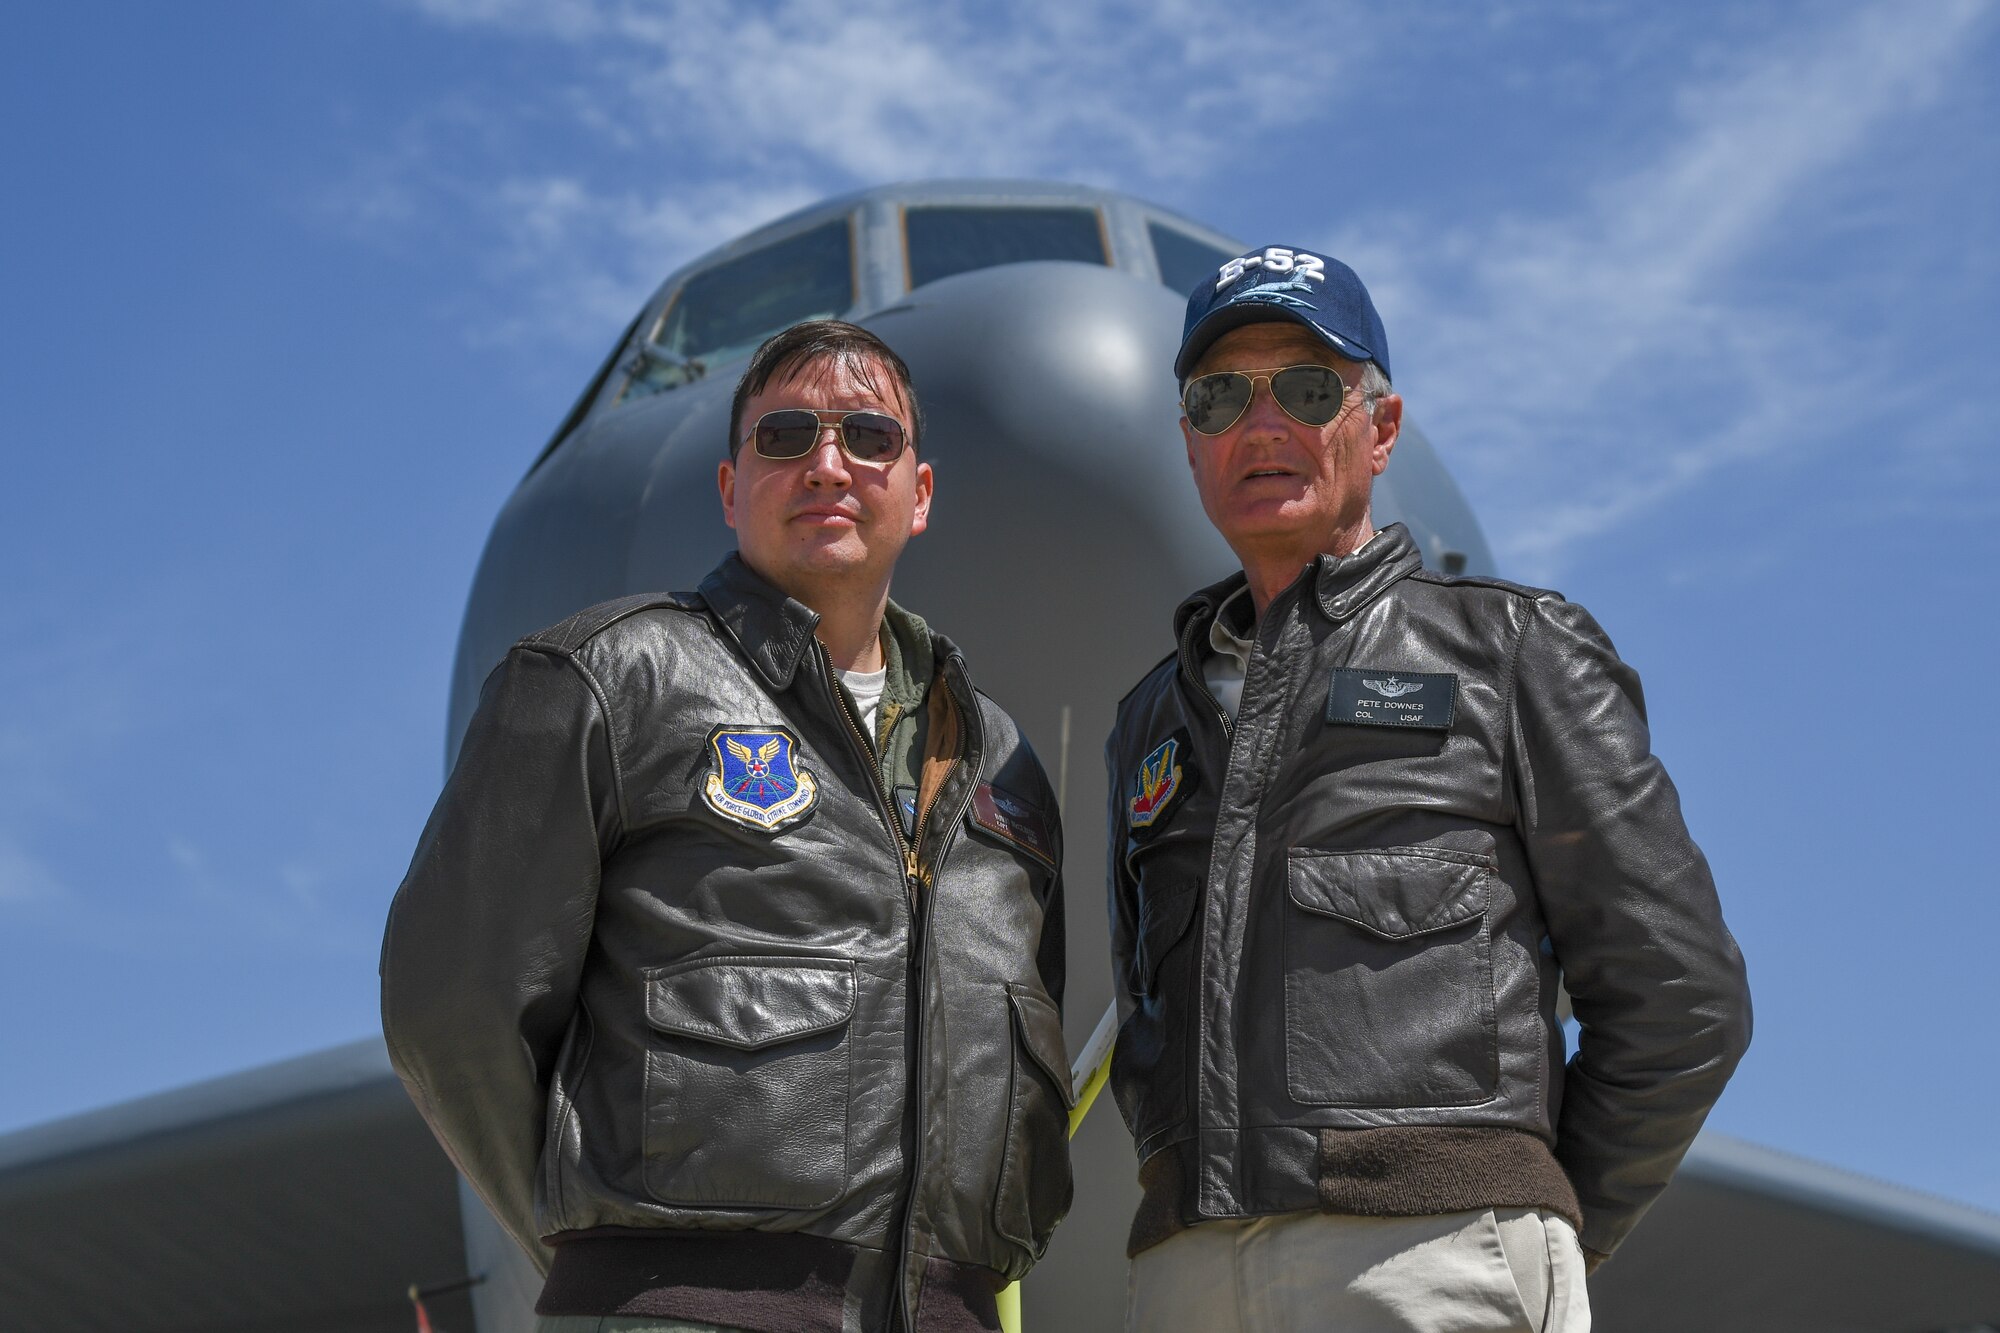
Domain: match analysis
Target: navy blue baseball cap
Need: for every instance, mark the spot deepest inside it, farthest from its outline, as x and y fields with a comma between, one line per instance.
x=1280, y=282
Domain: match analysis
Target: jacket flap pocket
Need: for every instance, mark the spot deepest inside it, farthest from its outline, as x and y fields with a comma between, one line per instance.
x=1394, y=892
x=750, y=1003
x=1164, y=915
x=1042, y=1035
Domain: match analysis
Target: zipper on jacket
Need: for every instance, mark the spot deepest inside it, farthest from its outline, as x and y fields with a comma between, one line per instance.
x=1192, y=670
x=905, y=849
x=1200, y=1027
x=913, y=1122
x=1198, y=1030
x=913, y=1119
x=928, y=877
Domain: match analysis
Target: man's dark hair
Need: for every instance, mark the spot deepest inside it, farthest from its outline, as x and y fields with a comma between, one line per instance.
x=828, y=342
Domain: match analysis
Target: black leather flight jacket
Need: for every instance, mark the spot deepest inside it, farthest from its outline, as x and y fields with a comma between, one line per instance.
x=751, y=1075
x=1350, y=910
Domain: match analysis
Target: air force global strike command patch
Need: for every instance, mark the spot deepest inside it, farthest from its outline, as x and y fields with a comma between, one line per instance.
x=1161, y=779
x=755, y=781
x=1378, y=697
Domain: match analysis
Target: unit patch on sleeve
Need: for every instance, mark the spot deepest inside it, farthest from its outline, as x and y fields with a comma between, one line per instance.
x=1162, y=779
x=1008, y=816
x=755, y=781
x=1378, y=697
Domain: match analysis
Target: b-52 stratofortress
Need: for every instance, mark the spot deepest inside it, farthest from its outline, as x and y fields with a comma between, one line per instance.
x=1039, y=322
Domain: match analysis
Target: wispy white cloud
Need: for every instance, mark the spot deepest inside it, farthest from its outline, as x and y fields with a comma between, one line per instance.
x=1585, y=360
x=189, y=898
x=887, y=88
x=579, y=257
x=1587, y=363
x=704, y=119
x=284, y=903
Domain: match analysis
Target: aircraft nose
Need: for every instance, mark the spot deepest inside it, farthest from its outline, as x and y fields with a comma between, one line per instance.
x=1068, y=369
x=1063, y=505
x=1062, y=370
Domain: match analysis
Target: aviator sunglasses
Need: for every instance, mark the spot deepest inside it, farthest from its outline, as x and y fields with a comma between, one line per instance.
x=793, y=432
x=1310, y=395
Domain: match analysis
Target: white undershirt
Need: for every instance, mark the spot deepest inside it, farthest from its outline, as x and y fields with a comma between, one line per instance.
x=865, y=688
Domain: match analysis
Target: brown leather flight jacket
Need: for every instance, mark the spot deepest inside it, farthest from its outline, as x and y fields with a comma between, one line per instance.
x=1339, y=923
x=683, y=997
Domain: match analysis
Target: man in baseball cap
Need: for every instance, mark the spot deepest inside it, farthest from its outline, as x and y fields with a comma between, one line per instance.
x=1368, y=820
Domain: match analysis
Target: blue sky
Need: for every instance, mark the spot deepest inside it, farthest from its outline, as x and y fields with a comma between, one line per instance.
x=1698, y=301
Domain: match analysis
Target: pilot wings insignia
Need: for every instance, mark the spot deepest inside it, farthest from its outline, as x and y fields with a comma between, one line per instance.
x=755, y=781
x=759, y=763
x=1393, y=688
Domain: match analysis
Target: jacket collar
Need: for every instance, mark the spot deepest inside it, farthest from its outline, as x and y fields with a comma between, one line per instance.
x=1346, y=583
x=910, y=656
x=1341, y=584
x=772, y=630
x=1198, y=611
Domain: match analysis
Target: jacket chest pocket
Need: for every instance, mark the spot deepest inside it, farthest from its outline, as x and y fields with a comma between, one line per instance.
x=1389, y=979
x=747, y=1081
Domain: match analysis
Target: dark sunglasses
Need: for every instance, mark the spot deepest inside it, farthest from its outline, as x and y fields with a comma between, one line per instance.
x=793, y=432
x=1310, y=395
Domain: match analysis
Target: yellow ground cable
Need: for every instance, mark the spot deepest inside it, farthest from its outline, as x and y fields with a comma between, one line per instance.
x=1010, y=1308
x=1088, y=1093
x=1088, y=1076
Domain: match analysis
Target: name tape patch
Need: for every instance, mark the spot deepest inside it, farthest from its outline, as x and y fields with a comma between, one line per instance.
x=1014, y=819
x=1379, y=697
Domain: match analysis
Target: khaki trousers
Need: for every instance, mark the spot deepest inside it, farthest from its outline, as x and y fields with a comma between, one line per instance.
x=1505, y=1270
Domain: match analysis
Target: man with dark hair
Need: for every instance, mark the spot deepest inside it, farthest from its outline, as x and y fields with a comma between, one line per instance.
x=1366, y=821
x=728, y=969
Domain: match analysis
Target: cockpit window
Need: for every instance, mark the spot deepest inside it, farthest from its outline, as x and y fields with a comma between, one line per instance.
x=947, y=240
x=723, y=313
x=1183, y=260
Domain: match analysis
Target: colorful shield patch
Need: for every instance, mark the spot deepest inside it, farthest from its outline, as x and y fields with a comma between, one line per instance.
x=755, y=781
x=1159, y=782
